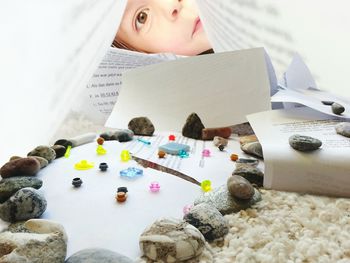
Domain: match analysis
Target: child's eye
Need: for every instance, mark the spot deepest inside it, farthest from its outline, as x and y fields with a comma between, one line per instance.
x=141, y=19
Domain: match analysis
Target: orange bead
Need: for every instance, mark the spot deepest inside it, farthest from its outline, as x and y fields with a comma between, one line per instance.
x=121, y=197
x=161, y=154
x=100, y=140
x=234, y=157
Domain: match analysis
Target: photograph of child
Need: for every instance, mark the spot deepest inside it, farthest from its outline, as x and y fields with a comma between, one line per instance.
x=162, y=26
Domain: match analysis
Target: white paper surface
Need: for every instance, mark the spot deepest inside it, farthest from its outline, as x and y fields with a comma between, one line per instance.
x=325, y=171
x=220, y=88
x=313, y=99
x=90, y=214
x=98, y=98
x=48, y=50
x=280, y=27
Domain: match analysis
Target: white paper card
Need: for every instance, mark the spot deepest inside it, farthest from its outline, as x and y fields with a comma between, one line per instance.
x=220, y=88
x=325, y=171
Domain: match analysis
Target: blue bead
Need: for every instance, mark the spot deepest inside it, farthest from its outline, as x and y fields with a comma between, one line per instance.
x=131, y=173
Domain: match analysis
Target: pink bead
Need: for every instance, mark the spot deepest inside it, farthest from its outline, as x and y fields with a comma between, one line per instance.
x=187, y=209
x=206, y=153
x=154, y=187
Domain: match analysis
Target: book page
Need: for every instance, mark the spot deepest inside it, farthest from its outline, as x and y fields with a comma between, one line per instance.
x=317, y=30
x=218, y=87
x=49, y=52
x=324, y=171
x=98, y=98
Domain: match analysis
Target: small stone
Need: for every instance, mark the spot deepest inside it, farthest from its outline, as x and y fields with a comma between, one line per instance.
x=43, y=151
x=251, y=161
x=210, y=133
x=242, y=129
x=327, y=102
x=20, y=167
x=193, y=127
x=97, y=255
x=43, y=241
x=343, y=128
x=240, y=187
x=9, y=186
x=25, y=204
x=141, y=126
x=64, y=143
x=171, y=240
x=59, y=150
x=225, y=202
x=208, y=220
x=304, y=143
x=251, y=173
x=43, y=162
x=337, y=108
x=220, y=141
x=253, y=148
x=247, y=139
x=124, y=135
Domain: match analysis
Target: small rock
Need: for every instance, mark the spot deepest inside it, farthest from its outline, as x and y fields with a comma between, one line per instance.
x=304, y=143
x=242, y=129
x=327, y=102
x=60, y=150
x=43, y=151
x=44, y=242
x=210, y=133
x=240, y=187
x=208, y=220
x=171, y=240
x=343, y=128
x=64, y=143
x=141, y=126
x=253, y=148
x=247, y=139
x=193, y=127
x=337, y=108
x=97, y=255
x=220, y=141
x=251, y=161
x=20, y=167
x=9, y=186
x=253, y=174
x=124, y=135
x=43, y=162
x=25, y=204
x=225, y=202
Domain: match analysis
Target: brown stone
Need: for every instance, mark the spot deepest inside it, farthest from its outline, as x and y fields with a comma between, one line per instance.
x=240, y=187
x=193, y=127
x=19, y=167
x=210, y=133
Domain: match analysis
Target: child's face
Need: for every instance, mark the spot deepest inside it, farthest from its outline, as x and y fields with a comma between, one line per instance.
x=155, y=26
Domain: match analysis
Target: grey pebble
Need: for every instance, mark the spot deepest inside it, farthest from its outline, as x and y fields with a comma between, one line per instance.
x=141, y=126
x=208, y=220
x=9, y=186
x=26, y=203
x=43, y=151
x=225, y=202
x=337, y=108
x=60, y=150
x=253, y=148
x=253, y=174
x=251, y=161
x=343, y=128
x=304, y=143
